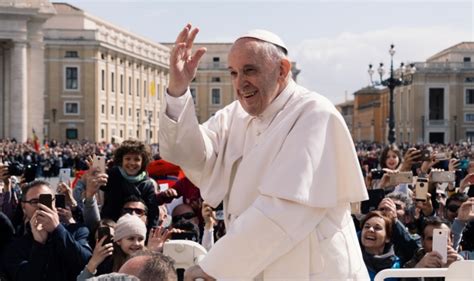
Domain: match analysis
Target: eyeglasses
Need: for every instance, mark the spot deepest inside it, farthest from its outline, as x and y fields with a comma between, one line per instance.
x=186, y=216
x=137, y=211
x=34, y=201
x=398, y=207
x=453, y=208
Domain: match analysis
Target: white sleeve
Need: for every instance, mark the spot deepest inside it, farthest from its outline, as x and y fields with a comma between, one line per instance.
x=175, y=105
x=208, y=238
x=267, y=230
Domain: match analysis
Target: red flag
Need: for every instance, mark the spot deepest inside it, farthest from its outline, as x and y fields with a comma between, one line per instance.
x=36, y=141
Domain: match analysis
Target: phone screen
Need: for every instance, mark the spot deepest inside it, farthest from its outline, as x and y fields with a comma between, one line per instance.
x=47, y=200
x=60, y=201
x=65, y=175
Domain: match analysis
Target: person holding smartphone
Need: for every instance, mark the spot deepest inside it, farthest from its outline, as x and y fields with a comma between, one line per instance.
x=45, y=242
x=127, y=177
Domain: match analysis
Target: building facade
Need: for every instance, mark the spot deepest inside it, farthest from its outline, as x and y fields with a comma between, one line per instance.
x=22, y=84
x=438, y=106
x=370, y=117
x=103, y=82
x=347, y=111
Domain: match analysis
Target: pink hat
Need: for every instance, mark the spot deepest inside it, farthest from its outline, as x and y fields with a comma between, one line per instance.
x=128, y=225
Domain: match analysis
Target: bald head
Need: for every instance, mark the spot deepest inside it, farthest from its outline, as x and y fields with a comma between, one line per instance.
x=134, y=265
x=148, y=266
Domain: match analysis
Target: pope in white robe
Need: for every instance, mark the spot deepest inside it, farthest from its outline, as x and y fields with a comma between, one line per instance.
x=280, y=157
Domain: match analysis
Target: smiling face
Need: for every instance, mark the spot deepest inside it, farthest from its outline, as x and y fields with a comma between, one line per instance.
x=392, y=160
x=257, y=78
x=131, y=244
x=132, y=163
x=374, y=235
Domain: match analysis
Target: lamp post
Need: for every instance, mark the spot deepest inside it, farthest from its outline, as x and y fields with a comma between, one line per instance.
x=148, y=137
x=391, y=83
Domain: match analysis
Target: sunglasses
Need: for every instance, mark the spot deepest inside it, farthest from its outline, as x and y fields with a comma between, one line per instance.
x=453, y=208
x=185, y=216
x=137, y=211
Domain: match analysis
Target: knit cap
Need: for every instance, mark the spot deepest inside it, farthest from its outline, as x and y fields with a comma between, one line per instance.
x=128, y=225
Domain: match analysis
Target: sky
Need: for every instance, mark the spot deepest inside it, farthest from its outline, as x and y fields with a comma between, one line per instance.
x=332, y=42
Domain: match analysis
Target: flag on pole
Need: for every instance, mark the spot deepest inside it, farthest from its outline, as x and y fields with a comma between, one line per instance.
x=36, y=141
x=152, y=89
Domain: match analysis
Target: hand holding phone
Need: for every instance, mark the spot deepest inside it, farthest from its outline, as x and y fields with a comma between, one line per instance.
x=421, y=189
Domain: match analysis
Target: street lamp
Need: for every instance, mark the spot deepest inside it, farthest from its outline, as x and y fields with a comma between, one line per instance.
x=391, y=83
x=149, y=116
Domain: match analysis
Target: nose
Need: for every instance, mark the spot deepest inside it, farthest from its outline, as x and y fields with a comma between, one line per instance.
x=240, y=82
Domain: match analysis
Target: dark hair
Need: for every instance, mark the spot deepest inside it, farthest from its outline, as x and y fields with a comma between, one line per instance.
x=384, y=155
x=435, y=222
x=461, y=197
x=135, y=147
x=27, y=187
x=388, y=222
x=133, y=198
x=158, y=267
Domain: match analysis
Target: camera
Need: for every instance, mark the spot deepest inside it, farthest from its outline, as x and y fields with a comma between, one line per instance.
x=421, y=189
x=377, y=174
x=425, y=155
x=16, y=169
x=401, y=177
x=442, y=176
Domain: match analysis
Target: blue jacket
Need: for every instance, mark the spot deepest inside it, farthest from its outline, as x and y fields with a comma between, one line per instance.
x=61, y=258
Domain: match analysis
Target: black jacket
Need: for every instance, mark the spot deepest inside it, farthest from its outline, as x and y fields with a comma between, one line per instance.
x=62, y=258
x=118, y=189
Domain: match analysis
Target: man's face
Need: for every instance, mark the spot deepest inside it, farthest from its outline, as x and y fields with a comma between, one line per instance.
x=136, y=209
x=400, y=206
x=452, y=209
x=30, y=202
x=186, y=213
x=428, y=236
x=254, y=76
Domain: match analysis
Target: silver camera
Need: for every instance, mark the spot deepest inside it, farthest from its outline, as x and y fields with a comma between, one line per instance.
x=442, y=176
x=401, y=177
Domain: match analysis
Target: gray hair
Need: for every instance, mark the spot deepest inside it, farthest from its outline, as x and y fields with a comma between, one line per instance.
x=397, y=195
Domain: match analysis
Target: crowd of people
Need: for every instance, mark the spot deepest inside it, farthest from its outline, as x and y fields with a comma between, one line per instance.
x=136, y=201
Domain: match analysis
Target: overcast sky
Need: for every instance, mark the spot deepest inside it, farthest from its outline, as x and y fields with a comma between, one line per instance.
x=332, y=42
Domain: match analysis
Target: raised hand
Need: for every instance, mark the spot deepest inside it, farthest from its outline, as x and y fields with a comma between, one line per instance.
x=39, y=233
x=47, y=217
x=99, y=254
x=183, y=63
x=157, y=238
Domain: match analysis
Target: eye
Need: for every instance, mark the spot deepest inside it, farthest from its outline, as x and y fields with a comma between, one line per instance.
x=249, y=71
x=233, y=74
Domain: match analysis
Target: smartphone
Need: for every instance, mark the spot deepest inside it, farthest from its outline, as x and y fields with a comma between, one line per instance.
x=440, y=243
x=425, y=155
x=99, y=163
x=47, y=200
x=401, y=177
x=164, y=187
x=421, y=189
x=104, y=231
x=65, y=175
x=60, y=201
x=442, y=176
x=377, y=174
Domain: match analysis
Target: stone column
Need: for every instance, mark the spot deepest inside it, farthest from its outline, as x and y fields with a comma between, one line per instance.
x=18, y=93
x=36, y=80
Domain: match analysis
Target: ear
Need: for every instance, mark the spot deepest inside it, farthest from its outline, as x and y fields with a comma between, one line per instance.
x=285, y=68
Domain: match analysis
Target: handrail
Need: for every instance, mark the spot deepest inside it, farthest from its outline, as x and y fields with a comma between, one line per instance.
x=410, y=272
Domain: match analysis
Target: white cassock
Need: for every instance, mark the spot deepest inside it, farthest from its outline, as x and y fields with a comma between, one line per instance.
x=286, y=177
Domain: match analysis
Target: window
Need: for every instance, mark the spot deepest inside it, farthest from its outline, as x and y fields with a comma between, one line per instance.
x=102, y=109
x=71, y=108
x=466, y=59
x=216, y=62
x=112, y=80
x=71, y=134
x=215, y=79
x=144, y=88
x=469, y=117
x=193, y=94
x=72, y=78
x=436, y=103
x=121, y=83
x=121, y=133
x=216, y=96
x=71, y=54
x=102, y=80
x=470, y=137
x=112, y=109
x=130, y=112
x=121, y=111
x=138, y=87
x=130, y=85
x=157, y=91
x=469, y=96
x=102, y=133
